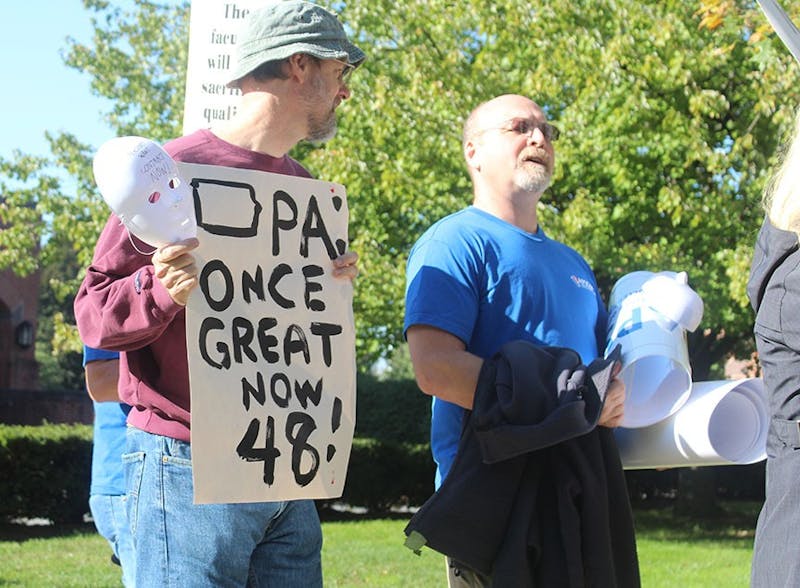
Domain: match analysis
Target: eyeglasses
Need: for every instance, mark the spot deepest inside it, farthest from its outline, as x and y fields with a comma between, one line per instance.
x=521, y=126
x=347, y=70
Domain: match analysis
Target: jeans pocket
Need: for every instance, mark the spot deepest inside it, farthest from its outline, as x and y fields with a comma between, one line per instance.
x=176, y=472
x=180, y=462
x=134, y=472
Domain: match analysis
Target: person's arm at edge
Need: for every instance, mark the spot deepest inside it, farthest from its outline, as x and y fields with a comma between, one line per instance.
x=101, y=380
x=442, y=366
x=121, y=305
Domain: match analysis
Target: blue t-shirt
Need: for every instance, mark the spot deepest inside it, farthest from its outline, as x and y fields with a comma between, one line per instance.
x=489, y=282
x=108, y=476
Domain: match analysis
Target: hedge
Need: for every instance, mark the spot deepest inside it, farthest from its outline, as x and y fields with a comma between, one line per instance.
x=392, y=411
x=45, y=471
x=385, y=474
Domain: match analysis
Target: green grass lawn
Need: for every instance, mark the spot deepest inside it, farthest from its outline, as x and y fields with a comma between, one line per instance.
x=682, y=551
x=673, y=551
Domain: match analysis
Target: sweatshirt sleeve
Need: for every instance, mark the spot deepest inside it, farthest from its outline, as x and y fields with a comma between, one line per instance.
x=121, y=305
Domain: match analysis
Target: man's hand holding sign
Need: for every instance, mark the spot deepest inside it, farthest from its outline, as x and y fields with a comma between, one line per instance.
x=175, y=268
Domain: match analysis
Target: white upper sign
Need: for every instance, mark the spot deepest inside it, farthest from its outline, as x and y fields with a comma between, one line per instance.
x=213, y=27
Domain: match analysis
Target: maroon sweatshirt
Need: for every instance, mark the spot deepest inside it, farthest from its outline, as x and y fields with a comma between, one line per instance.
x=121, y=306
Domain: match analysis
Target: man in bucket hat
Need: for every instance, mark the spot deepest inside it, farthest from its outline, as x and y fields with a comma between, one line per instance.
x=292, y=63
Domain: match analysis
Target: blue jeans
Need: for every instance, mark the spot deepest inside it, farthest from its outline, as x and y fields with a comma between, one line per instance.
x=178, y=543
x=109, y=517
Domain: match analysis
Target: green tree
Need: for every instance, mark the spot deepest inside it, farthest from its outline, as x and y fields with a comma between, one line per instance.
x=50, y=209
x=671, y=129
x=671, y=119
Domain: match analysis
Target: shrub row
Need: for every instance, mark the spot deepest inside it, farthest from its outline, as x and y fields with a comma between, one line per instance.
x=385, y=474
x=45, y=470
x=45, y=473
x=392, y=411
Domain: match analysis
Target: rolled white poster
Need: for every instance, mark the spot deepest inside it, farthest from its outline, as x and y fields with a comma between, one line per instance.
x=649, y=315
x=724, y=422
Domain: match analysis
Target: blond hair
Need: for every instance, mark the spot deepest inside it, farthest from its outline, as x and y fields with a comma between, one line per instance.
x=782, y=196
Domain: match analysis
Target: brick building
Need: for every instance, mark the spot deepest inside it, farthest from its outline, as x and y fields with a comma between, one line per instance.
x=22, y=401
x=19, y=305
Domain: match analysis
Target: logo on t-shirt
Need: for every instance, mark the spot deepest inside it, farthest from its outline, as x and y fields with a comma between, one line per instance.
x=582, y=283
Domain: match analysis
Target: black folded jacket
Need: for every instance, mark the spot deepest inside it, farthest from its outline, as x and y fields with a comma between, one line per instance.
x=536, y=495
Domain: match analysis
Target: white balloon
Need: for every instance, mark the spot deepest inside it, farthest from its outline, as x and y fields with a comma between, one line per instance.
x=140, y=182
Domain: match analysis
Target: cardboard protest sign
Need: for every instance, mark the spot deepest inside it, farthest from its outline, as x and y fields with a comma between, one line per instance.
x=270, y=338
x=213, y=28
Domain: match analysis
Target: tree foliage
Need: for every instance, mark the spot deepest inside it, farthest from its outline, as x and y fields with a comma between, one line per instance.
x=50, y=209
x=671, y=129
x=671, y=112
